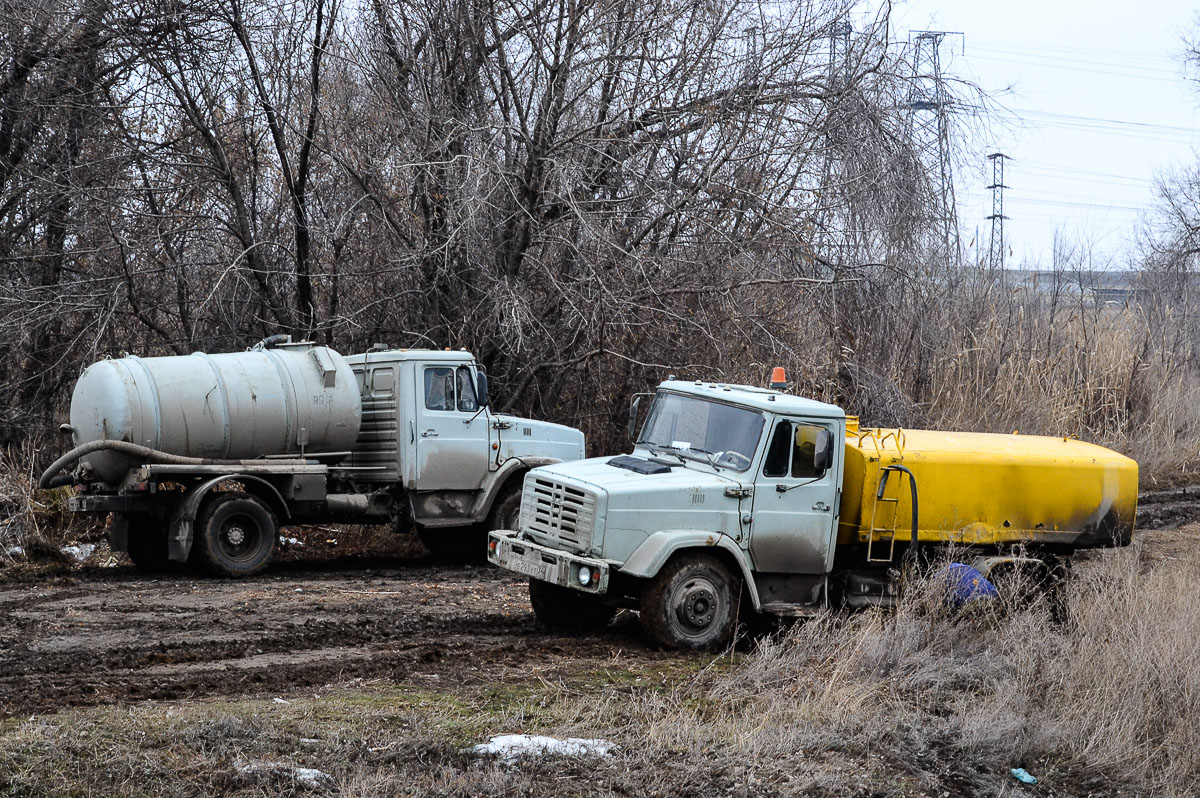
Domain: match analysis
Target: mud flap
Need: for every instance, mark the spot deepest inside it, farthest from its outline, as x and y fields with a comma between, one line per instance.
x=179, y=539
x=118, y=532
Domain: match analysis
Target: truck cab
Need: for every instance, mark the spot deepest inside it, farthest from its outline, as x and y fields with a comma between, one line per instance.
x=727, y=486
x=427, y=428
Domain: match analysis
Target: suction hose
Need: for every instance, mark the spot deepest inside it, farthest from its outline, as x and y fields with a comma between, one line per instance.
x=142, y=452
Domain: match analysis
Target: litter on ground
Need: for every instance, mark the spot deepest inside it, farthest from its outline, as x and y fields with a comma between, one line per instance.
x=1023, y=776
x=79, y=551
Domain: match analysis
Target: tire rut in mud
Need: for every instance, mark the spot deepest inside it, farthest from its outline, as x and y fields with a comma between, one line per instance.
x=120, y=636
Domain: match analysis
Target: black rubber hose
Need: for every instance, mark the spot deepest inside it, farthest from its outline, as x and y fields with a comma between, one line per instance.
x=144, y=453
x=270, y=341
x=62, y=480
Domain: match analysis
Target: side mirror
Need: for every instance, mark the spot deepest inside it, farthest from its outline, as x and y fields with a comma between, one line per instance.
x=823, y=453
x=633, y=413
x=481, y=388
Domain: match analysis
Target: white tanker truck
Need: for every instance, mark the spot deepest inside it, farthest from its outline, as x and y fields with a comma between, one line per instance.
x=202, y=457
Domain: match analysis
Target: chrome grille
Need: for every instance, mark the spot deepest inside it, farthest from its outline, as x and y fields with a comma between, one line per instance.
x=560, y=511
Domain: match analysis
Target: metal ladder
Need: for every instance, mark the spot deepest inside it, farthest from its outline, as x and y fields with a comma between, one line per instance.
x=887, y=534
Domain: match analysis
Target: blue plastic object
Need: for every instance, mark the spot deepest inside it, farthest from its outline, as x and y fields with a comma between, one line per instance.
x=1022, y=775
x=964, y=584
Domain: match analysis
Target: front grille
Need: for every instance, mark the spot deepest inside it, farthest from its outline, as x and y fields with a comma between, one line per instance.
x=552, y=509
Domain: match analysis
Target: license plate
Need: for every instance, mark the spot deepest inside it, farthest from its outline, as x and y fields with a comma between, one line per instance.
x=534, y=569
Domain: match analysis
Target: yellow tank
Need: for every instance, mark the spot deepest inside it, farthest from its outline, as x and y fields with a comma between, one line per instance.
x=984, y=489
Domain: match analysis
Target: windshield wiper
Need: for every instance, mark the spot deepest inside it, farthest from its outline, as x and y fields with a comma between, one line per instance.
x=710, y=457
x=660, y=449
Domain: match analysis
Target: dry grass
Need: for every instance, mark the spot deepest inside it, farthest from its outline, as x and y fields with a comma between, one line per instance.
x=37, y=521
x=922, y=700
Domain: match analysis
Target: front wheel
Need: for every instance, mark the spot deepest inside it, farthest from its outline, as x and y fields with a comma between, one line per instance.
x=692, y=604
x=506, y=512
x=562, y=609
x=235, y=534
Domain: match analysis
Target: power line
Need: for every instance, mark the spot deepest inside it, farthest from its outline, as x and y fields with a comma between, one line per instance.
x=1091, y=67
x=1104, y=52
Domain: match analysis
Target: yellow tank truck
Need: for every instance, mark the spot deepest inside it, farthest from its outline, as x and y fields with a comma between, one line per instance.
x=739, y=499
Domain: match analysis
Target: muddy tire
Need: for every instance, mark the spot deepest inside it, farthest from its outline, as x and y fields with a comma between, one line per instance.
x=692, y=604
x=146, y=544
x=561, y=609
x=506, y=512
x=235, y=534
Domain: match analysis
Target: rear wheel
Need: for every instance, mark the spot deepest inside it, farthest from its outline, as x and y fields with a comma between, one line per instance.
x=235, y=534
x=692, y=604
x=561, y=609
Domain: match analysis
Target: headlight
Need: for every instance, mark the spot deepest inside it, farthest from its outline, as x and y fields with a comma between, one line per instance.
x=585, y=575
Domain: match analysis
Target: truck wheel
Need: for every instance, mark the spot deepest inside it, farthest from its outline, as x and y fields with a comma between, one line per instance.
x=561, y=609
x=506, y=512
x=235, y=534
x=146, y=543
x=691, y=604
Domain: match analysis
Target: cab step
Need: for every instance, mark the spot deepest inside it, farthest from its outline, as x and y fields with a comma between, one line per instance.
x=786, y=609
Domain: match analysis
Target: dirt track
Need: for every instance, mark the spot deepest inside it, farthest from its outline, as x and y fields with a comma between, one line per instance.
x=107, y=635
x=112, y=635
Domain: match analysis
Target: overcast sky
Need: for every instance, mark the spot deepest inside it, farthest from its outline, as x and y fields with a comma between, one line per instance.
x=1099, y=103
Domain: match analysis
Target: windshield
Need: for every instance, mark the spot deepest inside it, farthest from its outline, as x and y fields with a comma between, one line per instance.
x=720, y=434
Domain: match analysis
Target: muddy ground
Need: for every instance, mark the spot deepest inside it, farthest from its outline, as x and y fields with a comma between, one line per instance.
x=102, y=635
x=106, y=635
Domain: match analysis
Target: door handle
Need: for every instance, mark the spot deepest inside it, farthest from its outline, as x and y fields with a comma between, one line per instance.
x=429, y=433
x=822, y=506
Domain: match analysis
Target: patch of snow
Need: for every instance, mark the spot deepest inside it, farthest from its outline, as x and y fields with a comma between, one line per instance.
x=309, y=777
x=291, y=541
x=15, y=551
x=79, y=551
x=511, y=747
x=312, y=777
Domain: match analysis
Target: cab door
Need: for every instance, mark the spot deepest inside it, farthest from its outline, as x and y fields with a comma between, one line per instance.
x=795, y=499
x=451, y=429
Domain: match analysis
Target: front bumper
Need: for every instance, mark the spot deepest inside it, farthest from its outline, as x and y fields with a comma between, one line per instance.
x=507, y=550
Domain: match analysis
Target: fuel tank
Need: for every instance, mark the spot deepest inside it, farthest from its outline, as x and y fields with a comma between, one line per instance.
x=986, y=489
x=288, y=400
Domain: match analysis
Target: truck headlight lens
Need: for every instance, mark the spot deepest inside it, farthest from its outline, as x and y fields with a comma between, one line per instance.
x=585, y=575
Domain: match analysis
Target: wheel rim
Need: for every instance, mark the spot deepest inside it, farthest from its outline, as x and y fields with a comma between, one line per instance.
x=239, y=537
x=696, y=606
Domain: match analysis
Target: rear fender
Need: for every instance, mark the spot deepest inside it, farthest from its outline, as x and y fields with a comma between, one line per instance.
x=649, y=558
x=179, y=535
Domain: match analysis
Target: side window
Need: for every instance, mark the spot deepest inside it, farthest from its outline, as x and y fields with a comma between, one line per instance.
x=466, y=390
x=804, y=454
x=439, y=388
x=776, y=463
x=383, y=381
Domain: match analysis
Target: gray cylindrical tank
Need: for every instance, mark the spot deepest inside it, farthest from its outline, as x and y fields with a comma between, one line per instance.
x=234, y=406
